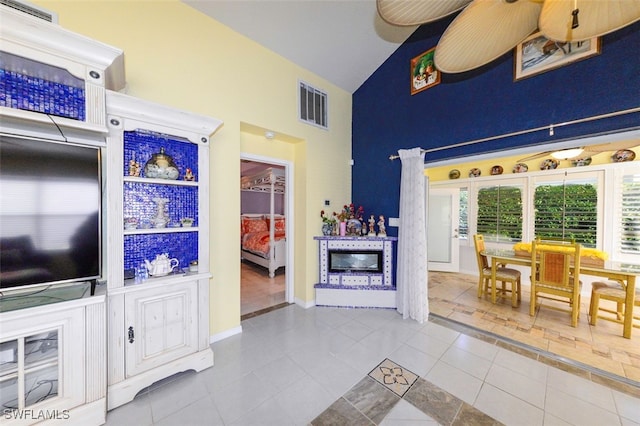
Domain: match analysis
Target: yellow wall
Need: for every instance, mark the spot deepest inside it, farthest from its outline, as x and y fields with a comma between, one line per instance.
x=176, y=56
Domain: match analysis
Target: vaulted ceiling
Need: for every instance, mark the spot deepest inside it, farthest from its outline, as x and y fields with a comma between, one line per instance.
x=343, y=41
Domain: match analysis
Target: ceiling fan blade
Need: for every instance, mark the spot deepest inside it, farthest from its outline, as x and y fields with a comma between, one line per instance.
x=535, y=156
x=484, y=31
x=594, y=18
x=417, y=12
x=590, y=150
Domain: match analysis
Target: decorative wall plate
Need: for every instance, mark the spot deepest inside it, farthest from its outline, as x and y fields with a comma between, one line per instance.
x=578, y=162
x=549, y=164
x=496, y=170
x=520, y=168
x=623, y=155
x=475, y=172
x=454, y=174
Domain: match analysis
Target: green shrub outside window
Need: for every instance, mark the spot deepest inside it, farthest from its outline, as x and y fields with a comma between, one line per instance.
x=630, y=213
x=567, y=211
x=500, y=213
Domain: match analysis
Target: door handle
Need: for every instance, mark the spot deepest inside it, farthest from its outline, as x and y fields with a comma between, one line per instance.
x=131, y=336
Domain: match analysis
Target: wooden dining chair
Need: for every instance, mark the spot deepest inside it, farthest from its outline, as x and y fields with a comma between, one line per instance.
x=555, y=275
x=504, y=275
x=615, y=292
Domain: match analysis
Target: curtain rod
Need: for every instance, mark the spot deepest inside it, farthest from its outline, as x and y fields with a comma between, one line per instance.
x=522, y=132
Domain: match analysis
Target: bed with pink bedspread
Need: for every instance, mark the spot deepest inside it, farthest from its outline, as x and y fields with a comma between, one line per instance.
x=262, y=245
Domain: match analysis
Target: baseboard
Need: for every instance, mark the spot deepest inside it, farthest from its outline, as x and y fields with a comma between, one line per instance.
x=227, y=333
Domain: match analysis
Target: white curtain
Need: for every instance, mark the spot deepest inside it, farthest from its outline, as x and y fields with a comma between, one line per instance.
x=411, y=282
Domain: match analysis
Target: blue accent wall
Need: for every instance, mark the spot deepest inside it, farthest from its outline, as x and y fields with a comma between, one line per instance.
x=482, y=103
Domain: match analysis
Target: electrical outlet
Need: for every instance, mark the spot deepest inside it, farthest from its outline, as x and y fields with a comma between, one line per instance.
x=394, y=221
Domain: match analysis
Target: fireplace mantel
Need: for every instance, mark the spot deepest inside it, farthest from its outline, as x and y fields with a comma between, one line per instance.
x=357, y=286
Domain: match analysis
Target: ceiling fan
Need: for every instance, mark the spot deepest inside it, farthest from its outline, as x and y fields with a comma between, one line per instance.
x=583, y=151
x=487, y=29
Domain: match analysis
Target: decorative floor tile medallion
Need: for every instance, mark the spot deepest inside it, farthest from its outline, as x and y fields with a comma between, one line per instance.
x=394, y=377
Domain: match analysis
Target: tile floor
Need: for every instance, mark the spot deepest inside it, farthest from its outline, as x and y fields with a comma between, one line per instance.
x=257, y=290
x=295, y=366
x=454, y=296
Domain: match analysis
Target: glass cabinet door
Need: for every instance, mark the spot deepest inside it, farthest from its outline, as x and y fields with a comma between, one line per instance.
x=29, y=370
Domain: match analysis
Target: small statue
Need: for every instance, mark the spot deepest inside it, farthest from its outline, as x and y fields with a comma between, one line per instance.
x=134, y=167
x=372, y=221
x=188, y=175
x=382, y=231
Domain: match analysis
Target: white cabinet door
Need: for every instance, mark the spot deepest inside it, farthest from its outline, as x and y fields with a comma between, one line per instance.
x=43, y=363
x=161, y=325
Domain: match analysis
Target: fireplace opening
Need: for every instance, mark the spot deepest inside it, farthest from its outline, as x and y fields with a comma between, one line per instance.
x=369, y=261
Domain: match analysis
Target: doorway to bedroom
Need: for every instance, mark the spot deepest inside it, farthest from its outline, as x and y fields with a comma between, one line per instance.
x=263, y=234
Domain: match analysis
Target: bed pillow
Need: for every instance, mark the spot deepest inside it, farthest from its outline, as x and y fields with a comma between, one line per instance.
x=253, y=224
x=279, y=223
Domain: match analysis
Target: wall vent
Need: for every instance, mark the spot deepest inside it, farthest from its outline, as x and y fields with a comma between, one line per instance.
x=31, y=9
x=313, y=106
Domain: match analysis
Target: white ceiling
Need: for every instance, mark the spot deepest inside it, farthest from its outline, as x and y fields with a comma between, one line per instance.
x=342, y=41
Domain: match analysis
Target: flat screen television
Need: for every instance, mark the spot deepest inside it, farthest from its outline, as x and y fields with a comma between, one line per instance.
x=50, y=206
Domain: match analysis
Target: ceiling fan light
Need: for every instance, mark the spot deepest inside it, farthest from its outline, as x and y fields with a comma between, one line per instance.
x=565, y=154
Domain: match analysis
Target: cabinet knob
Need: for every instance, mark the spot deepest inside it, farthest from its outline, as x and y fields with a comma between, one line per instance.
x=131, y=335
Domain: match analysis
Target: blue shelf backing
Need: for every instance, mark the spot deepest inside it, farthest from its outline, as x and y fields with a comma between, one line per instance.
x=140, y=145
x=138, y=201
x=32, y=86
x=183, y=246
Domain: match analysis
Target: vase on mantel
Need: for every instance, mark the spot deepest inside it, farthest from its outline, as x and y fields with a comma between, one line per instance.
x=327, y=228
x=343, y=229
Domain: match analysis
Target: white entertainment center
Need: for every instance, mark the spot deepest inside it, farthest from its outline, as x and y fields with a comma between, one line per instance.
x=71, y=350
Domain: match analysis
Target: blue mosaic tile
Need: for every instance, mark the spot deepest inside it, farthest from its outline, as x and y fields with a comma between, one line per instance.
x=355, y=287
x=140, y=145
x=138, y=201
x=182, y=245
x=26, y=92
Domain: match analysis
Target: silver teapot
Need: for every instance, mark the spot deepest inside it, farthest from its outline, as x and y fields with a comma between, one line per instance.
x=162, y=265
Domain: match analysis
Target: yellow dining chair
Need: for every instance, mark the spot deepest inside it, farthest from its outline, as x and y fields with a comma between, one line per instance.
x=555, y=275
x=612, y=291
x=504, y=275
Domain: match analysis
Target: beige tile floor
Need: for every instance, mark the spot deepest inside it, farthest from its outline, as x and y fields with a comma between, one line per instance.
x=290, y=365
x=454, y=296
x=258, y=291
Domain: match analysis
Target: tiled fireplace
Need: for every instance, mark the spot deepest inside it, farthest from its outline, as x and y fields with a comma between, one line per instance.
x=356, y=272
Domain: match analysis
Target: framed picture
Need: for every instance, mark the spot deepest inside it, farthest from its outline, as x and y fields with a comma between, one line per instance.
x=537, y=54
x=423, y=72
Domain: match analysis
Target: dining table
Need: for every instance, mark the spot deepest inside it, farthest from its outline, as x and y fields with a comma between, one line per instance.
x=623, y=272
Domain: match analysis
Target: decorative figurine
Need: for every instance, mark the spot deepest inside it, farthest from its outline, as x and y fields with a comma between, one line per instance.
x=134, y=166
x=382, y=231
x=372, y=221
x=162, y=218
x=188, y=175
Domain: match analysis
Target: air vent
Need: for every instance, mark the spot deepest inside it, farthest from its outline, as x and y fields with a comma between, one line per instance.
x=313, y=106
x=32, y=10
